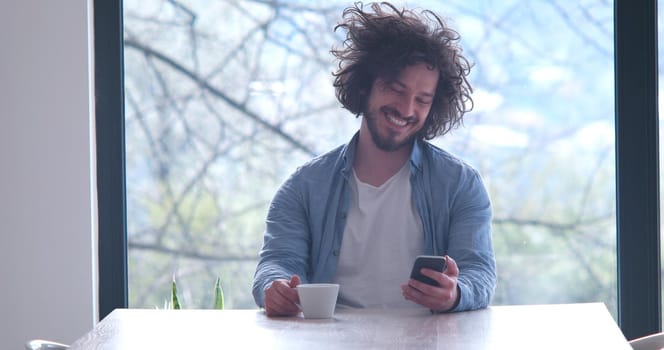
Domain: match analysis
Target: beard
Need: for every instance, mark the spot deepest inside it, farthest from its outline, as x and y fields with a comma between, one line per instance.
x=387, y=143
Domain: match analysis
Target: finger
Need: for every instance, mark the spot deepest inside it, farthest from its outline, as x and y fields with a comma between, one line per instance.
x=280, y=307
x=419, y=297
x=294, y=281
x=410, y=293
x=282, y=289
x=452, y=267
x=440, y=300
x=280, y=299
x=407, y=293
x=439, y=277
x=439, y=297
x=447, y=282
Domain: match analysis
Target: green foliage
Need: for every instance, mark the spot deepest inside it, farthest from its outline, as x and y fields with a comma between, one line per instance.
x=175, y=303
x=218, y=296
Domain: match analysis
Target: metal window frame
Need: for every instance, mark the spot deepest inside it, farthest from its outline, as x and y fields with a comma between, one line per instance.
x=110, y=143
x=637, y=167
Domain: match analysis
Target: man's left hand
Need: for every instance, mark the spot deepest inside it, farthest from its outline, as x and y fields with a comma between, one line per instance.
x=437, y=298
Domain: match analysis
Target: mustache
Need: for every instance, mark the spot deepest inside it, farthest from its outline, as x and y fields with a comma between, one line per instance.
x=393, y=111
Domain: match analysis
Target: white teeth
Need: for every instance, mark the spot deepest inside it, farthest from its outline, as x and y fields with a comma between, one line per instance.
x=396, y=121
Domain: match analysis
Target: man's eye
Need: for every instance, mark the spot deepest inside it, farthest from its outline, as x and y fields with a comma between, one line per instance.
x=424, y=102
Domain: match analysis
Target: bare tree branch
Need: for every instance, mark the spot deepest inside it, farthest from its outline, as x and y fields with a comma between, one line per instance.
x=219, y=94
x=179, y=252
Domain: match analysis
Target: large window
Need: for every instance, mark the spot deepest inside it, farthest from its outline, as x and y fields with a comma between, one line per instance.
x=636, y=166
x=225, y=98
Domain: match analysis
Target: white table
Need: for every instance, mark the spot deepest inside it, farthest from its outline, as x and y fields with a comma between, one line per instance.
x=565, y=326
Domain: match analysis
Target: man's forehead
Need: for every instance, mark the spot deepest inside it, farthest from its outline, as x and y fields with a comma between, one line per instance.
x=406, y=75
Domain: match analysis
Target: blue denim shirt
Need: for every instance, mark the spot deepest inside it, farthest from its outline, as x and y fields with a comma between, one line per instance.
x=306, y=219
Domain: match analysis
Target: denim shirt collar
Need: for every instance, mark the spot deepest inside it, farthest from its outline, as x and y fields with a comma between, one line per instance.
x=348, y=155
x=416, y=156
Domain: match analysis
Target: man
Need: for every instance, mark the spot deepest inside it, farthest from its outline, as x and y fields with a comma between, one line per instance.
x=360, y=214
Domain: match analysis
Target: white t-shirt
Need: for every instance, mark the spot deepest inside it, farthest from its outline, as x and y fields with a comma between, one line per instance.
x=382, y=237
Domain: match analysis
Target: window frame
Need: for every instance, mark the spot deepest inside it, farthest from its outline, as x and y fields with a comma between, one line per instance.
x=637, y=167
x=637, y=163
x=110, y=143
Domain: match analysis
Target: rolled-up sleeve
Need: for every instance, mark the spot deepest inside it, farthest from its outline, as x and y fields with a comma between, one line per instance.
x=285, y=250
x=470, y=243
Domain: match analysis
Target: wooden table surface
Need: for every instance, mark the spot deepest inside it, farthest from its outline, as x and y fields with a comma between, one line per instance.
x=563, y=326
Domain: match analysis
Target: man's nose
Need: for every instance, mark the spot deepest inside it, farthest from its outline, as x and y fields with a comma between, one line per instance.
x=406, y=106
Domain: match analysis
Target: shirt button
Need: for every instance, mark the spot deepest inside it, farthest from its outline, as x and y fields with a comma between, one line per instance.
x=335, y=252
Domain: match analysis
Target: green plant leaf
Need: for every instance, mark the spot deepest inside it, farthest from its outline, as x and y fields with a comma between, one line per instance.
x=175, y=303
x=218, y=295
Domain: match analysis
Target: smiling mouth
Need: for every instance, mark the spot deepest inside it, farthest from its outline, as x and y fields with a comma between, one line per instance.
x=396, y=121
x=395, y=118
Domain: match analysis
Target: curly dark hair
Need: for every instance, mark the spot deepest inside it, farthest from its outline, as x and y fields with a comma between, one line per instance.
x=382, y=43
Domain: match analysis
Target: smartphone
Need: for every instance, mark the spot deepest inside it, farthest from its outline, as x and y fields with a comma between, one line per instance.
x=437, y=263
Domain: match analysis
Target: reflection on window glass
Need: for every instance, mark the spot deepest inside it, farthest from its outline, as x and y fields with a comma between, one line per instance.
x=224, y=99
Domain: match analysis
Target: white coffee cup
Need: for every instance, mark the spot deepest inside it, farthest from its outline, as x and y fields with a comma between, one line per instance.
x=318, y=300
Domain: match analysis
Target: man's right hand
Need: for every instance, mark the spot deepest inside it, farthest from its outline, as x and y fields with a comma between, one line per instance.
x=281, y=297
